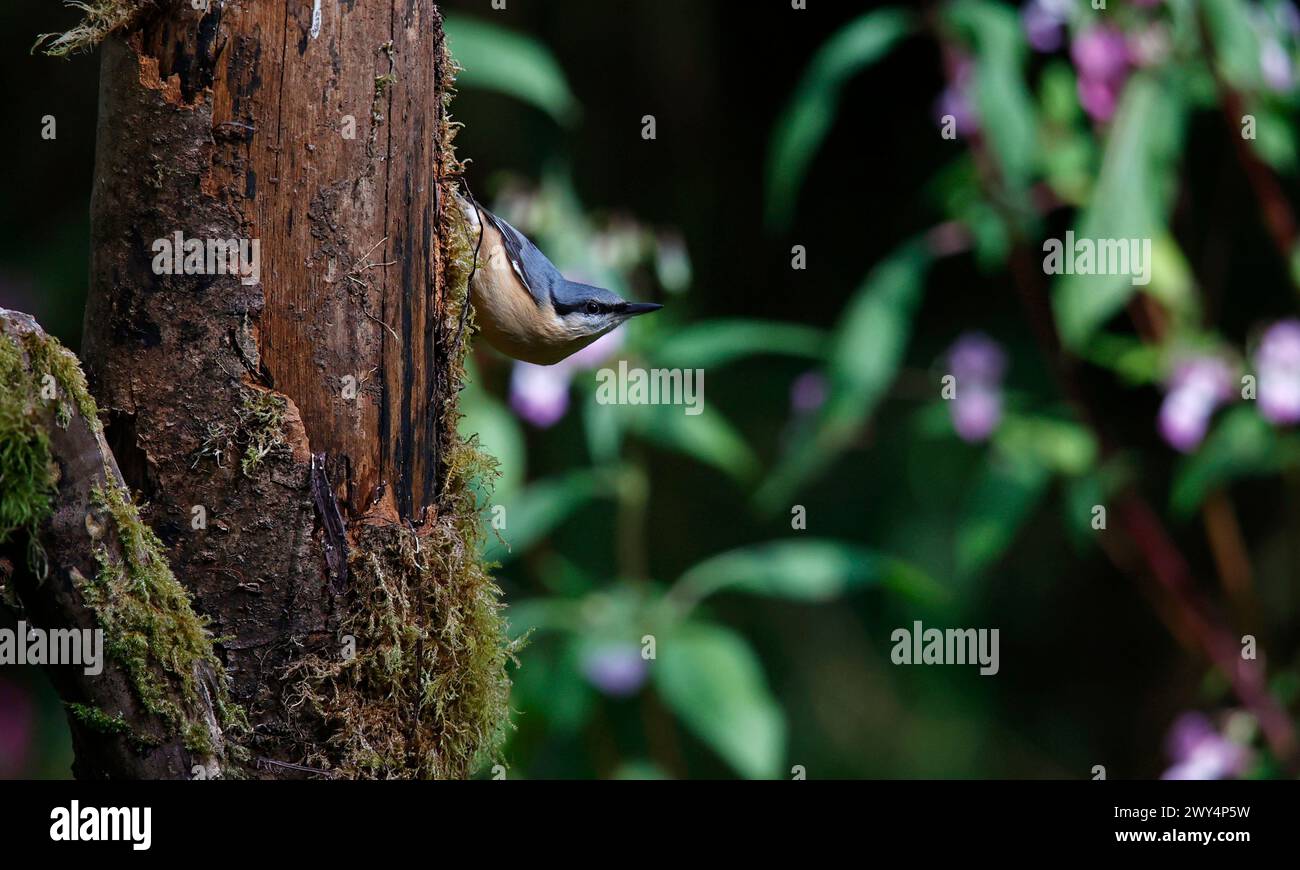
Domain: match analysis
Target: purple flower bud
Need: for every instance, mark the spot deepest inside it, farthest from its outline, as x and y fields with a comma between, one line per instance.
x=616, y=669
x=1101, y=57
x=978, y=363
x=1200, y=752
x=976, y=357
x=807, y=393
x=1198, y=387
x=1277, y=362
x=976, y=412
x=1275, y=64
x=539, y=394
x=956, y=100
x=1044, y=24
x=1100, y=53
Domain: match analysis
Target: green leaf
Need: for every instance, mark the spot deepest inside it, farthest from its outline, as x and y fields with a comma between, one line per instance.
x=706, y=437
x=1002, y=498
x=498, y=59
x=1275, y=139
x=540, y=508
x=499, y=435
x=1006, y=108
x=1058, y=93
x=808, y=116
x=801, y=570
x=865, y=353
x=1236, y=47
x=1172, y=283
x=1242, y=444
x=603, y=428
x=1057, y=445
x=1130, y=201
x=1135, y=361
x=538, y=616
x=1081, y=494
x=718, y=342
x=710, y=677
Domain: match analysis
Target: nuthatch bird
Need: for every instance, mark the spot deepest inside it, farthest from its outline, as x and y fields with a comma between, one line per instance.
x=522, y=304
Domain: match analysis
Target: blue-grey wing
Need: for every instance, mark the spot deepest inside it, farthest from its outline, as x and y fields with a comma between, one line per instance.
x=529, y=263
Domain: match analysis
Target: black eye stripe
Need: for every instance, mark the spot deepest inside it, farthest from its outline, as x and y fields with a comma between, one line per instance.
x=581, y=308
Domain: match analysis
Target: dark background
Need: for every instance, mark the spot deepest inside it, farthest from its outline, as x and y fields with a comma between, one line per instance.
x=1089, y=674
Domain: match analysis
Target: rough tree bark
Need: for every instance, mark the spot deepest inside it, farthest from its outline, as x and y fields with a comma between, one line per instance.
x=292, y=438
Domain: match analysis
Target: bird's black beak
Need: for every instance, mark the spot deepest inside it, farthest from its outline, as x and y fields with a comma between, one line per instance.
x=635, y=308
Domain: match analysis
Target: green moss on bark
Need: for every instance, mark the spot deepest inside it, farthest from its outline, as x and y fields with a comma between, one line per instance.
x=26, y=481
x=150, y=627
x=34, y=372
x=257, y=434
x=425, y=693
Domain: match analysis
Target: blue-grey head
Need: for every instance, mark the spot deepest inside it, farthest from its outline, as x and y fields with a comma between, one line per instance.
x=593, y=311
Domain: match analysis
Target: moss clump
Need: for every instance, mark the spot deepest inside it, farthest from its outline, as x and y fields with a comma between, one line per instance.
x=258, y=432
x=383, y=83
x=102, y=18
x=48, y=357
x=261, y=428
x=426, y=694
x=151, y=629
x=34, y=370
x=149, y=625
x=96, y=719
x=26, y=485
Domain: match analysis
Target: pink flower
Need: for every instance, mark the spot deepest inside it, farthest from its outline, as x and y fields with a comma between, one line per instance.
x=976, y=412
x=1277, y=362
x=958, y=101
x=1199, y=385
x=808, y=393
x=540, y=394
x=978, y=363
x=1101, y=58
x=1275, y=65
x=1200, y=752
x=617, y=669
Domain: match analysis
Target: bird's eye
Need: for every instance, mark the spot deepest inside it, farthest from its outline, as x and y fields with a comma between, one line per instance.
x=593, y=308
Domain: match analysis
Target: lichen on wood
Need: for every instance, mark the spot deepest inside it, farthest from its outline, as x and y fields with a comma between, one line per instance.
x=101, y=18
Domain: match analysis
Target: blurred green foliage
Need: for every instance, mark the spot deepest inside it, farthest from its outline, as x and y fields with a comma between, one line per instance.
x=1120, y=178
x=681, y=621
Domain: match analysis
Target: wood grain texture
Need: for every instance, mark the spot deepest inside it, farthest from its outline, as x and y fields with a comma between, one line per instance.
x=348, y=272
x=233, y=123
